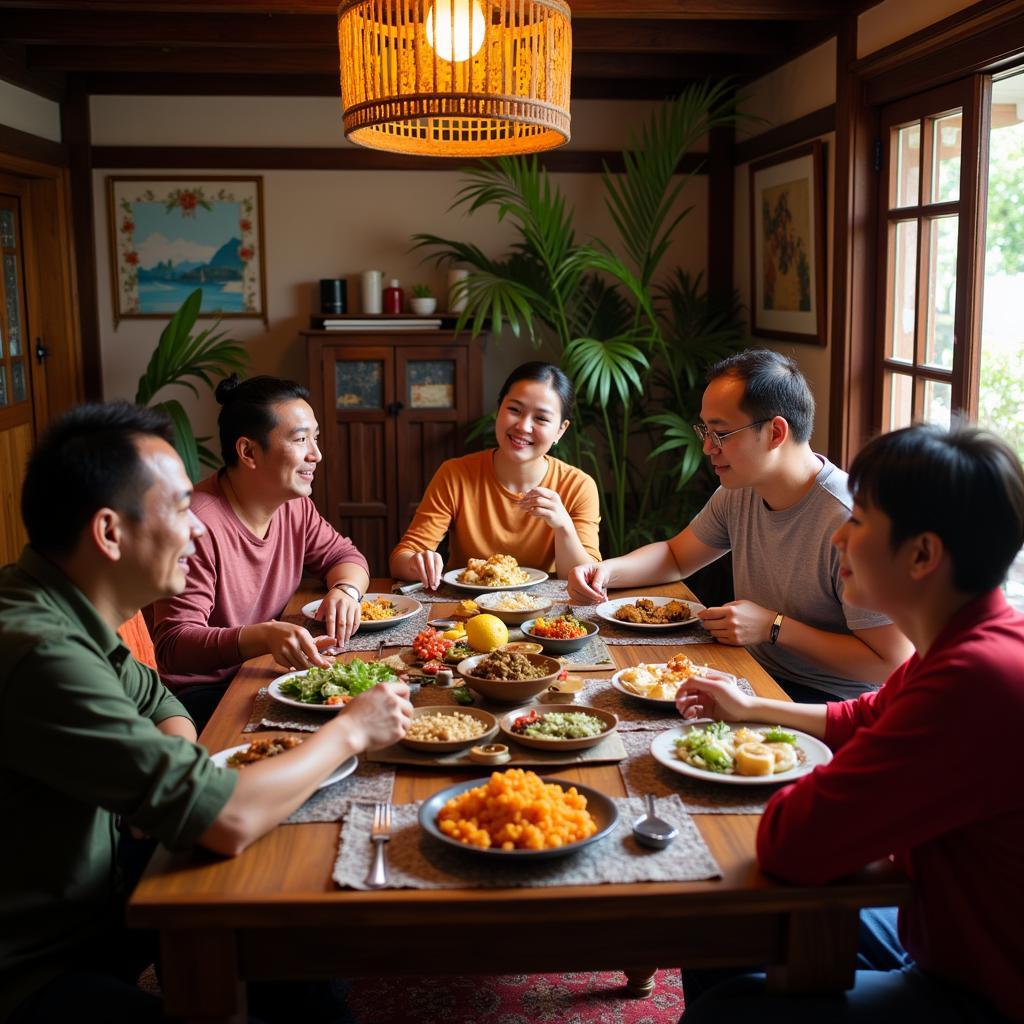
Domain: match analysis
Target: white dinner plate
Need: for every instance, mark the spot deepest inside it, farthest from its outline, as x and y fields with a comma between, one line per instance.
x=452, y=579
x=664, y=750
x=405, y=608
x=343, y=771
x=606, y=611
x=657, y=702
x=654, y=702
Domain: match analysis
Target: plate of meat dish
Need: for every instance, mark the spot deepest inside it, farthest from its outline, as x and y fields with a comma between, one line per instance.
x=259, y=750
x=651, y=613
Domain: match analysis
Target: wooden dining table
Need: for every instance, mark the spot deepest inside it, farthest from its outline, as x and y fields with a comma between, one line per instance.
x=274, y=911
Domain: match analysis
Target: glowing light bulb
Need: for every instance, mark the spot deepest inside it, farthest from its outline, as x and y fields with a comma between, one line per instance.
x=460, y=28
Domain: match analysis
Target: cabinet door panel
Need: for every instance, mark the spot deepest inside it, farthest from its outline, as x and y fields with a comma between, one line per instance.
x=359, y=465
x=433, y=386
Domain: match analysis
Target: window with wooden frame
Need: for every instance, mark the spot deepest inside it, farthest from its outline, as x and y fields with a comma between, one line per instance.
x=934, y=154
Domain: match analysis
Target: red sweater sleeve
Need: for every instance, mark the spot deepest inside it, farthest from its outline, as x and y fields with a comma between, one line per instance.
x=895, y=781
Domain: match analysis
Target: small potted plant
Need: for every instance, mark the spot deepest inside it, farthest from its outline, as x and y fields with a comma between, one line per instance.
x=423, y=302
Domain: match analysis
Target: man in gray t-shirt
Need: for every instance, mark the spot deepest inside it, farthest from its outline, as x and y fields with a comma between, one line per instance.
x=776, y=510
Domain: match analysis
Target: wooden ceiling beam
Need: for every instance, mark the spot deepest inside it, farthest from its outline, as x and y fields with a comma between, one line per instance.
x=284, y=62
x=82, y=29
x=698, y=10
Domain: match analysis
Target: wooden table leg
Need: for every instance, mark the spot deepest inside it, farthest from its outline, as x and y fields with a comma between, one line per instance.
x=640, y=983
x=821, y=952
x=199, y=977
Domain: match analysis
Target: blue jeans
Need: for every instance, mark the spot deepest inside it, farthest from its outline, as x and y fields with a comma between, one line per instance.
x=889, y=988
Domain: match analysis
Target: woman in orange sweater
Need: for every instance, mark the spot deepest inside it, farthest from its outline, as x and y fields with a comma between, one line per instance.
x=514, y=499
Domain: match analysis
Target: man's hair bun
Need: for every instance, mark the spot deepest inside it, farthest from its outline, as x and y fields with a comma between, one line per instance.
x=226, y=388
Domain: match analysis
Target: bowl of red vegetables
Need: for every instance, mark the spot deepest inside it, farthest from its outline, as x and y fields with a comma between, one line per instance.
x=560, y=634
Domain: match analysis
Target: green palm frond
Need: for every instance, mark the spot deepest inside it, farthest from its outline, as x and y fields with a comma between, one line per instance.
x=179, y=356
x=603, y=369
x=680, y=439
x=641, y=200
x=184, y=439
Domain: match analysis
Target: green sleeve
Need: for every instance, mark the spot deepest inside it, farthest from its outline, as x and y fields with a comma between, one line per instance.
x=72, y=723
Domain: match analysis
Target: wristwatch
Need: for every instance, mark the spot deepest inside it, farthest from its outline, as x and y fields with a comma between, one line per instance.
x=350, y=588
x=776, y=626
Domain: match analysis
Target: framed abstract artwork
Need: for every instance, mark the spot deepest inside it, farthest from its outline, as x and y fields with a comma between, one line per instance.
x=171, y=235
x=787, y=253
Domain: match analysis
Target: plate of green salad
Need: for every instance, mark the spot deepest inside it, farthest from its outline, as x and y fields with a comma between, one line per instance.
x=329, y=689
x=739, y=753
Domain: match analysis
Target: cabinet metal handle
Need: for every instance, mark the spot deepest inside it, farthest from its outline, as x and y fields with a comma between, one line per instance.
x=394, y=408
x=41, y=351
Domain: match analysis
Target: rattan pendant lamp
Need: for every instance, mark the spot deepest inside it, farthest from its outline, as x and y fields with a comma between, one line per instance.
x=455, y=77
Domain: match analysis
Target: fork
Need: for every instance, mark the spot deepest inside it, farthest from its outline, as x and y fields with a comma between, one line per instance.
x=379, y=835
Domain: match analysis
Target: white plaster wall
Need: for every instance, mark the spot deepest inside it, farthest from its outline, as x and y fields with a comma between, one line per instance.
x=335, y=224
x=28, y=112
x=800, y=87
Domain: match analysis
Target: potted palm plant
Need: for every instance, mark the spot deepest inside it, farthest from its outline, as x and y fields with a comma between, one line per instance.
x=634, y=341
x=179, y=358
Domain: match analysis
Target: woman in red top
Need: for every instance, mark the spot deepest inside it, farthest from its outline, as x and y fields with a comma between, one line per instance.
x=924, y=768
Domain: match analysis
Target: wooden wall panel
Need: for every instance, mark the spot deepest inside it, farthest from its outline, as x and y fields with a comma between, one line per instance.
x=15, y=445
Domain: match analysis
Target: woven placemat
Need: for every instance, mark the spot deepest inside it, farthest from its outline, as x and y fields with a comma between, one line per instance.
x=417, y=860
x=370, y=783
x=641, y=774
x=268, y=713
x=609, y=751
x=634, y=713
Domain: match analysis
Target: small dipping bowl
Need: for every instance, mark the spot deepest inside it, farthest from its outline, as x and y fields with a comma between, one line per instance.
x=555, y=695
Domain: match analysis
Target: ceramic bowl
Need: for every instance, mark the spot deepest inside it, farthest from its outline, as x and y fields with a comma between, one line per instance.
x=552, y=646
x=510, y=691
x=608, y=719
x=447, y=746
x=512, y=618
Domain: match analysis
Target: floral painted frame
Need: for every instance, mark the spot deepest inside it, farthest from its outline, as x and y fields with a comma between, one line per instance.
x=170, y=235
x=787, y=250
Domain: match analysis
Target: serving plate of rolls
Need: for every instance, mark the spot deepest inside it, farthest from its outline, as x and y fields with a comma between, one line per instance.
x=739, y=753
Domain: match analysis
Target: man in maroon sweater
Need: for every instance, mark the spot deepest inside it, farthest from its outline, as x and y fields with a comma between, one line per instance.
x=262, y=533
x=926, y=769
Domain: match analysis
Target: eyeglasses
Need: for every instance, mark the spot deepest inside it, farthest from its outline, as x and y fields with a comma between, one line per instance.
x=716, y=439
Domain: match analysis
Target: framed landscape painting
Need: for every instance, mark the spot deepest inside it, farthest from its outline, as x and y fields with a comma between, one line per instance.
x=172, y=235
x=787, y=257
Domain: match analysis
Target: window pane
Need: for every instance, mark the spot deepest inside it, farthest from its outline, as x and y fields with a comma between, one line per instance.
x=938, y=403
x=901, y=390
x=431, y=384
x=3, y=385
x=903, y=287
x=7, y=236
x=946, y=137
x=908, y=165
x=13, y=306
x=18, y=381
x=938, y=344
x=359, y=384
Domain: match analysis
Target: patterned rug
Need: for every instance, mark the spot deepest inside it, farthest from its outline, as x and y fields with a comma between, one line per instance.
x=597, y=997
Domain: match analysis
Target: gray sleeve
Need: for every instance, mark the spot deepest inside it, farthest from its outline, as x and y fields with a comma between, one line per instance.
x=711, y=524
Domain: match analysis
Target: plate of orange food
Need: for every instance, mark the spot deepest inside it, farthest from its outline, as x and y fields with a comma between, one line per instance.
x=552, y=819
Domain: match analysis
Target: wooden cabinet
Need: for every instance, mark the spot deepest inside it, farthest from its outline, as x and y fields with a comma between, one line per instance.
x=392, y=407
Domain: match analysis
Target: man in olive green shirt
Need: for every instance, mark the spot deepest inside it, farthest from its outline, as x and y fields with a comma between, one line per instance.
x=91, y=736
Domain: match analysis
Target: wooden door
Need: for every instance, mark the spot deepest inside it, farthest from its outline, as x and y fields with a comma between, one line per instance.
x=17, y=414
x=432, y=417
x=358, y=438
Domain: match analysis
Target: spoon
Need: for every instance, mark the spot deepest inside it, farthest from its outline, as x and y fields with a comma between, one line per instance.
x=650, y=830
